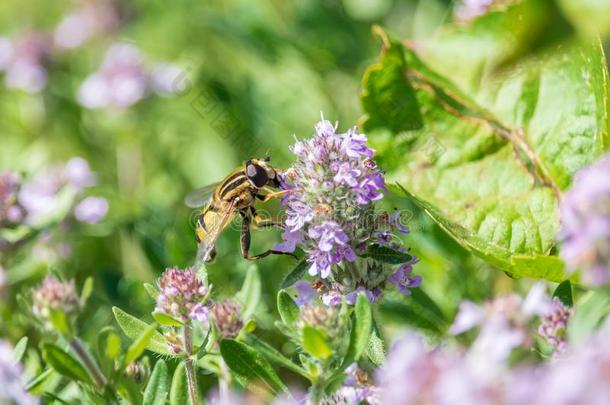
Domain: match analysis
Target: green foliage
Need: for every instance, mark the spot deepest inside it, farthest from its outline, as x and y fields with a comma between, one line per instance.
x=158, y=385
x=134, y=328
x=139, y=344
x=178, y=394
x=314, y=343
x=590, y=311
x=64, y=363
x=274, y=355
x=288, y=309
x=385, y=254
x=295, y=274
x=360, y=334
x=564, y=293
x=489, y=173
x=20, y=349
x=250, y=293
x=249, y=365
x=418, y=311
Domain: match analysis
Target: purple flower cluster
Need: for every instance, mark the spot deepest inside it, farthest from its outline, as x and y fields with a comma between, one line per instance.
x=554, y=324
x=54, y=295
x=182, y=295
x=332, y=188
x=11, y=379
x=585, y=219
x=41, y=195
x=227, y=318
x=123, y=79
x=356, y=389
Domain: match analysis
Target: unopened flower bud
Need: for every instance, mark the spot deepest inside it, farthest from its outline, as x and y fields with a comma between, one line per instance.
x=136, y=371
x=227, y=317
x=54, y=295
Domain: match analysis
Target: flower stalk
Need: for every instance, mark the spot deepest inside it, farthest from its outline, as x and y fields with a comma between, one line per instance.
x=191, y=377
x=88, y=362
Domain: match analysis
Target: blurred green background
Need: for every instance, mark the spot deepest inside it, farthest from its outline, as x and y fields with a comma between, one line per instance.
x=246, y=75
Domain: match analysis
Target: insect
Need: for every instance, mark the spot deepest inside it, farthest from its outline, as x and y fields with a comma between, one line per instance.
x=235, y=194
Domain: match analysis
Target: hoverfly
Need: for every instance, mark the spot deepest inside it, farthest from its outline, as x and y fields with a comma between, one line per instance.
x=235, y=194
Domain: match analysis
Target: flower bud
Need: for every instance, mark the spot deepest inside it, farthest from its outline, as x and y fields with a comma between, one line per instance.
x=227, y=317
x=55, y=297
x=135, y=371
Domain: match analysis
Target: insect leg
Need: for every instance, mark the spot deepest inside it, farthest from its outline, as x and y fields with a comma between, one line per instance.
x=261, y=222
x=269, y=196
x=245, y=241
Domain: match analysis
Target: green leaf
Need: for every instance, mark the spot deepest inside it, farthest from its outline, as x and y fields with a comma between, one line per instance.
x=385, y=254
x=165, y=319
x=85, y=293
x=37, y=381
x=564, y=293
x=468, y=53
x=295, y=274
x=361, y=331
x=64, y=363
x=179, y=393
x=19, y=349
x=139, y=345
x=151, y=290
x=314, y=343
x=589, y=314
x=418, y=310
x=158, y=385
x=248, y=364
x=375, y=350
x=489, y=173
x=388, y=98
x=274, y=355
x=133, y=328
x=250, y=293
x=288, y=309
x=591, y=17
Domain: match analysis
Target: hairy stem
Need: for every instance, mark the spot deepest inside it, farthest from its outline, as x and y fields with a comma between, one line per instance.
x=94, y=371
x=190, y=366
x=223, y=382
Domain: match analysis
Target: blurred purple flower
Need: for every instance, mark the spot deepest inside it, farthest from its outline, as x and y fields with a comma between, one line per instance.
x=12, y=382
x=124, y=79
x=91, y=19
x=414, y=374
x=305, y=292
x=23, y=59
x=10, y=210
x=39, y=196
x=585, y=219
x=78, y=174
x=121, y=81
x=54, y=295
x=468, y=10
x=554, y=324
x=91, y=210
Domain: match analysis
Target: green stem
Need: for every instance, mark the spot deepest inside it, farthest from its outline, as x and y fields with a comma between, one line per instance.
x=190, y=366
x=94, y=371
x=316, y=392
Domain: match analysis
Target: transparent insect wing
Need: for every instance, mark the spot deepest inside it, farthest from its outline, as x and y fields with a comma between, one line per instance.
x=201, y=196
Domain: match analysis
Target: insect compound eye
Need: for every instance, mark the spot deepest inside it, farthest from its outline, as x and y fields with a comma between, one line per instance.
x=257, y=175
